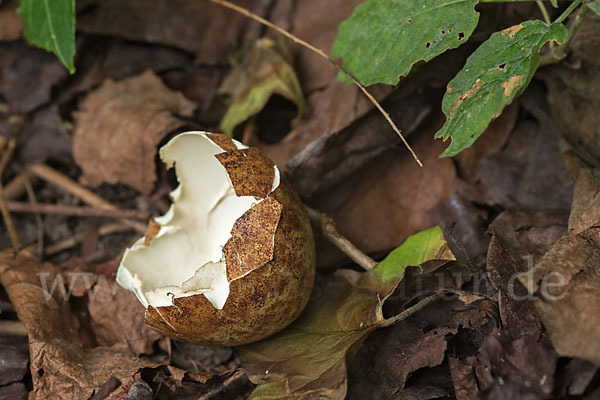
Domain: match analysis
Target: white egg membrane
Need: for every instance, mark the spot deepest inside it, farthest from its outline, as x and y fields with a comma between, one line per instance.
x=186, y=256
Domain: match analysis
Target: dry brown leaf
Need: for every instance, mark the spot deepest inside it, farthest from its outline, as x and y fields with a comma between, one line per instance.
x=328, y=111
x=119, y=126
x=208, y=30
x=574, y=90
x=389, y=198
x=566, y=280
x=117, y=319
x=60, y=367
x=27, y=76
x=519, y=240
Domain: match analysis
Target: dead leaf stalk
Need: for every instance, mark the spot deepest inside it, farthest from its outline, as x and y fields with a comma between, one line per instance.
x=410, y=311
x=228, y=382
x=38, y=219
x=71, y=242
x=12, y=328
x=330, y=232
x=56, y=178
x=74, y=211
x=9, y=149
x=321, y=53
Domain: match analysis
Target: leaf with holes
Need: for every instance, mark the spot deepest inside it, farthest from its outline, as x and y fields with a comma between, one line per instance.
x=308, y=359
x=383, y=39
x=50, y=24
x=497, y=72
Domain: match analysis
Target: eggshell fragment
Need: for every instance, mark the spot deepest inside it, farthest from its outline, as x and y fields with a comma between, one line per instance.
x=233, y=259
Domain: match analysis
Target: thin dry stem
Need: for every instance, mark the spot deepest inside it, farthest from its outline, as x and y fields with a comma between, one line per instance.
x=10, y=226
x=329, y=231
x=74, y=211
x=75, y=240
x=7, y=153
x=14, y=189
x=39, y=251
x=12, y=328
x=51, y=175
x=321, y=53
x=410, y=311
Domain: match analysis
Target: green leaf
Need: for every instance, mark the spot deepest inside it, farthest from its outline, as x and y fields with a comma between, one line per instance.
x=50, y=24
x=554, y=3
x=497, y=72
x=263, y=69
x=594, y=6
x=308, y=359
x=383, y=39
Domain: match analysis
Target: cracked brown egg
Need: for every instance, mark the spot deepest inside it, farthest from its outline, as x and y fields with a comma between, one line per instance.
x=233, y=259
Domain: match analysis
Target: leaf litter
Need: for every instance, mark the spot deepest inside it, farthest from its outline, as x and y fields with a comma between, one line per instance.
x=517, y=219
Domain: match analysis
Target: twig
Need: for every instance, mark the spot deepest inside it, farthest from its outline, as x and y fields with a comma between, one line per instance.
x=12, y=328
x=327, y=227
x=233, y=378
x=4, y=160
x=51, y=175
x=76, y=239
x=76, y=211
x=38, y=219
x=9, y=148
x=16, y=188
x=409, y=311
x=321, y=53
x=10, y=226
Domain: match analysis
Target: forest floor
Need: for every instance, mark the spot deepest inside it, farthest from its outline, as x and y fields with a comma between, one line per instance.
x=81, y=178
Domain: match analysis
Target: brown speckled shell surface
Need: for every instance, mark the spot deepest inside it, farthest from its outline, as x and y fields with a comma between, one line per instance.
x=260, y=303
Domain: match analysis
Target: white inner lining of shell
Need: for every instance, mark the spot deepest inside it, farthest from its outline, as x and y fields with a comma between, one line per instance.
x=185, y=257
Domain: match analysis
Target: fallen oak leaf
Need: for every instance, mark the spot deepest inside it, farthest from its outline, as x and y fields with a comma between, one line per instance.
x=61, y=368
x=308, y=359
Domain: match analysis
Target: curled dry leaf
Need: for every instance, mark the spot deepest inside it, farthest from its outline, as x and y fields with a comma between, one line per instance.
x=264, y=68
x=308, y=359
x=119, y=126
x=232, y=261
x=61, y=368
x=566, y=280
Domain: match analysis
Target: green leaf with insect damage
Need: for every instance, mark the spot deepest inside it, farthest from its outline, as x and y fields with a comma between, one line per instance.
x=308, y=359
x=50, y=24
x=497, y=72
x=383, y=39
